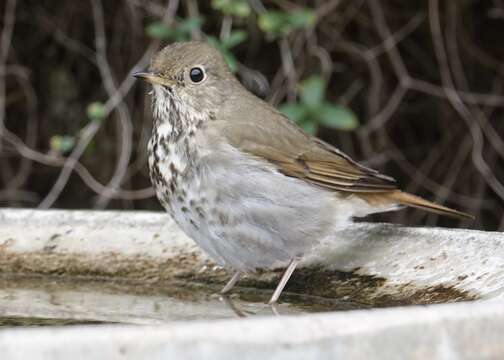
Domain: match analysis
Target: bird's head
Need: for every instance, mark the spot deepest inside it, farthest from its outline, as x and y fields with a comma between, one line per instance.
x=189, y=80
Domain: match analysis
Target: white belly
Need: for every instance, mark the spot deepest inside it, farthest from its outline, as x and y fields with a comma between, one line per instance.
x=246, y=215
x=243, y=212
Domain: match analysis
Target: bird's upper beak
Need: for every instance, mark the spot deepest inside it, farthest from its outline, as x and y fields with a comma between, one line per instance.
x=152, y=78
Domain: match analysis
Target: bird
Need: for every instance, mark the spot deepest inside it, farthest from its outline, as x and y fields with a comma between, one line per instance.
x=250, y=187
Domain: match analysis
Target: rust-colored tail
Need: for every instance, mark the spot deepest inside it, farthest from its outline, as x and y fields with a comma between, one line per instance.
x=399, y=197
x=417, y=202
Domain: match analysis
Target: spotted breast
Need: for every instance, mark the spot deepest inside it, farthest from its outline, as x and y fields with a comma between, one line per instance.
x=175, y=165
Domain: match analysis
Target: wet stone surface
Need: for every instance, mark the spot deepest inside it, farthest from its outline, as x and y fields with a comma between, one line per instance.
x=341, y=290
x=75, y=300
x=326, y=289
x=119, y=267
x=27, y=321
x=52, y=300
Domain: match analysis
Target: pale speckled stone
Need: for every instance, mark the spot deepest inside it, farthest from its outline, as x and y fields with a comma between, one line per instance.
x=453, y=331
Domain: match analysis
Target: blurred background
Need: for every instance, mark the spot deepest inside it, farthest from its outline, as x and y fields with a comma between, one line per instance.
x=411, y=88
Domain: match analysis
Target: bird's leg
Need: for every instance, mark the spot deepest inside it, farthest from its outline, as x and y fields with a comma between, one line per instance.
x=283, y=281
x=230, y=303
x=231, y=283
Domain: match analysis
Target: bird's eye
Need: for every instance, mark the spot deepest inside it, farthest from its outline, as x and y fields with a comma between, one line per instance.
x=197, y=75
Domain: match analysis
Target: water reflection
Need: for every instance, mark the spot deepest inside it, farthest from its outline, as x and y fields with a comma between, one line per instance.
x=64, y=301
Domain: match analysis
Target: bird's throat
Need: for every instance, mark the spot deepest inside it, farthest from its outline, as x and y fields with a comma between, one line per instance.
x=172, y=149
x=172, y=118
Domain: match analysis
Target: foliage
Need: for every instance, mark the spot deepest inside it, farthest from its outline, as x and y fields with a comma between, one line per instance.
x=239, y=8
x=181, y=31
x=312, y=110
x=62, y=144
x=96, y=111
x=279, y=23
x=401, y=65
x=227, y=44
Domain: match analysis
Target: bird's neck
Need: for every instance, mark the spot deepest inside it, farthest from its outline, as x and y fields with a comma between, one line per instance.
x=173, y=120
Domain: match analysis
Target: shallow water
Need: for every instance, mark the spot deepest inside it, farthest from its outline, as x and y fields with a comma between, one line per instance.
x=53, y=300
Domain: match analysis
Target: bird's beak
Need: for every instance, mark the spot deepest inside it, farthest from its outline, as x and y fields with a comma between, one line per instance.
x=152, y=78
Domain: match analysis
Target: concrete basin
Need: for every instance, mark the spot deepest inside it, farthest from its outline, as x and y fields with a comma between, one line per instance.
x=109, y=270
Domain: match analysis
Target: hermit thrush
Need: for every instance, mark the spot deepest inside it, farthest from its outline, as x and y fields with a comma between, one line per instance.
x=251, y=188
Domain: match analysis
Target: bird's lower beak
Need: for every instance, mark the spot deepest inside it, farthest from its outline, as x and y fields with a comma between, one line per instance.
x=152, y=78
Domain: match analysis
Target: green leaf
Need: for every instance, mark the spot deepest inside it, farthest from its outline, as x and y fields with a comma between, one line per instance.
x=337, y=117
x=295, y=112
x=96, y=111
x=241, y=9
x=219, y=4
x=235, y=37
x=238, y=8
x=62, y=144
x=180, y=32
x=230, y=60
x=312, y=91
x=309, y=126
x=228, y=55
x=185, y=26
x=158, y=30
x=277, y=23
x=214, y=42
x=273, y=22
x=302, y=18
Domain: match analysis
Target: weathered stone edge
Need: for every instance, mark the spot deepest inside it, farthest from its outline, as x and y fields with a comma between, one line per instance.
x=451, y=331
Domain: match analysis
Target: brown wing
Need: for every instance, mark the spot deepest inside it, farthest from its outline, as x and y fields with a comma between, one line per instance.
x=270, y=136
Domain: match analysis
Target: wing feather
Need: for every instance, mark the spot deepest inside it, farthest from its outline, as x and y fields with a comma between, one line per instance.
x=271, y=137
x=267, y=135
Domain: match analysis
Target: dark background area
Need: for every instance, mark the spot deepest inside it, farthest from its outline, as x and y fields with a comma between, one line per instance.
x=424, y=79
